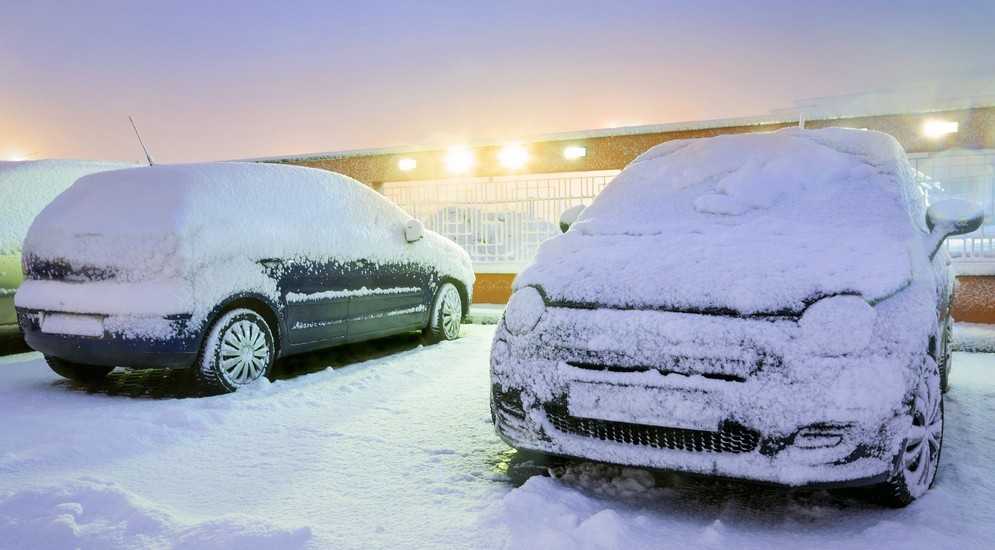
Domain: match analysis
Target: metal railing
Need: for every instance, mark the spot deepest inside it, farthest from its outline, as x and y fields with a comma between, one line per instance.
x=965, y=174
x=499, y=221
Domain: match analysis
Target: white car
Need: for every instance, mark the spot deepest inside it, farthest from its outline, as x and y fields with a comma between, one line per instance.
x=26, y=187
x=223, y=268
x=770, y=307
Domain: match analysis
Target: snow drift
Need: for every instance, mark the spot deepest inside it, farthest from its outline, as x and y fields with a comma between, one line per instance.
x=89, y=513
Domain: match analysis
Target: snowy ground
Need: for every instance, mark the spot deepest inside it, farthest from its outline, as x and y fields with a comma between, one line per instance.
x=393, y=448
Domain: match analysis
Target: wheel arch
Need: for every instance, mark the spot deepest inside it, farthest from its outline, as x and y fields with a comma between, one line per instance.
x=255, y=302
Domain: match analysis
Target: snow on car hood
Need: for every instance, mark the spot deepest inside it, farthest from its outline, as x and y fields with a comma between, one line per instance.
x=750, y=224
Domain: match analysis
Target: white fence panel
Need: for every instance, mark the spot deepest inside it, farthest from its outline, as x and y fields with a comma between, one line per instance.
x=965, y=174
x=500, y=221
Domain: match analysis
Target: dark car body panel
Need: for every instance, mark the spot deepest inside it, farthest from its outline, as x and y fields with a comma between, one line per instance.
x=350, y=301
x=362, y=301
x=111, y=349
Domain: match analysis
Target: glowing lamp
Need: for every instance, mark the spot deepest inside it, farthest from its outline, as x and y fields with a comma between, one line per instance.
x=513, y=157
x=574, y=152
x=459, y=160
x=938, y=128
x=407, y=164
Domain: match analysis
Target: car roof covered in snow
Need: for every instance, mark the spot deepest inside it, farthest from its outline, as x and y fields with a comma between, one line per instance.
x=753, y=223
x=166, y=198
x=160, y=221
x=27, y=186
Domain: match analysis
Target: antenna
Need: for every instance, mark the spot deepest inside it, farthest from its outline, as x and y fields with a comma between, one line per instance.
x=140, y=142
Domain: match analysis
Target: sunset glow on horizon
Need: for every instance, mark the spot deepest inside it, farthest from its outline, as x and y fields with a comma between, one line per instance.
x=231, y=80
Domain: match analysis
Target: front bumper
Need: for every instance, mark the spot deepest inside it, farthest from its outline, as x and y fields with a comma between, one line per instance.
x=768, y=416
x=732, y=452
x=165, y=342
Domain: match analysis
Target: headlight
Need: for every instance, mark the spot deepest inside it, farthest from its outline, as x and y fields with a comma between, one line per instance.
x=838, y=325
x=524, y=311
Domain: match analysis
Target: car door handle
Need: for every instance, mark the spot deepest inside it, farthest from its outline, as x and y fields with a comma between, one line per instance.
x=271, y=262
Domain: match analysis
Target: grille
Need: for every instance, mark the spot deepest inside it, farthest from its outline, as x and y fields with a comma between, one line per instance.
x=665, y=372
x=730, y=439
x=508, y=401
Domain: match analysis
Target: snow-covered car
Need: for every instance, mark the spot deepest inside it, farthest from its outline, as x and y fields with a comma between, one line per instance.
x=26, y=187
x=226, y=267
x=771, y=307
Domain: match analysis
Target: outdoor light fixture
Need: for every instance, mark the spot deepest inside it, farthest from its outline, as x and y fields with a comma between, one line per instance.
x=513, y=156
x=459, y=160
x=574, y=152
x=939, y=128
x=407, y=164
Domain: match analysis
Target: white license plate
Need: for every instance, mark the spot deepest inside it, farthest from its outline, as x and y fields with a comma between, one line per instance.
x=72, y=324
x=668, y=408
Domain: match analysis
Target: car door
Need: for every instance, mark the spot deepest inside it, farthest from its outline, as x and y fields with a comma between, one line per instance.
x=316, y=295
x=395, y=304
x=396, y=300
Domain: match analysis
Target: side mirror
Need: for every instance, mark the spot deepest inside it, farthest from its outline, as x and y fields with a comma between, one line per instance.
x=569, y=216
x=951, y=217
x=413, y=231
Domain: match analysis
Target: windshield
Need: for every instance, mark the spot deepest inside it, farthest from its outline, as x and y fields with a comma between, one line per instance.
x=788, y=182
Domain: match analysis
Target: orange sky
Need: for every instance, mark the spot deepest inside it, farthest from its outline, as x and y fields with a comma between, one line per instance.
x=226, y=80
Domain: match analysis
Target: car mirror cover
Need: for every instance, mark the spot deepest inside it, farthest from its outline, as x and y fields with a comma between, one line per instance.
x=413, y=231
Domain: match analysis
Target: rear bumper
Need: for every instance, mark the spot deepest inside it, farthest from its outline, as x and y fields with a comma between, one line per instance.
x=8, y=317
x=9, y=330
x=115, y=348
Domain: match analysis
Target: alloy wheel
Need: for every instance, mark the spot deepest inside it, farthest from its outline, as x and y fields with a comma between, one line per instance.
x=245, y=353
x=451, y=312
x=920, y=457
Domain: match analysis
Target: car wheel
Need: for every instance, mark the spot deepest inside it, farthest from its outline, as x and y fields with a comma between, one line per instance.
x=919, y=458
x=447, y=314
x=524, y=465
x=238, y=351
x=944, y=357
x=84, y=374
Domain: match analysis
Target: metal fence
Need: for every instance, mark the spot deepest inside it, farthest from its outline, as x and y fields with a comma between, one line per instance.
x=500, y=221
x=965, y=174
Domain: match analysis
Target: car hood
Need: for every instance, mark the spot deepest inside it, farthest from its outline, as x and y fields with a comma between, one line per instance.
x=749, y=275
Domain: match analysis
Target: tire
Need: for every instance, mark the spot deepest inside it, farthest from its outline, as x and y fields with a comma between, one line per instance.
x=524, y=465
x=943, y=357
x=919, y=458
x=84, y=374
x=447, y=314
x=237, y=351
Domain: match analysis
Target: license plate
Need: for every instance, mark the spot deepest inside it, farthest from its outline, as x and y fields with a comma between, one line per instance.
x=75, y=325
x=667, y=408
